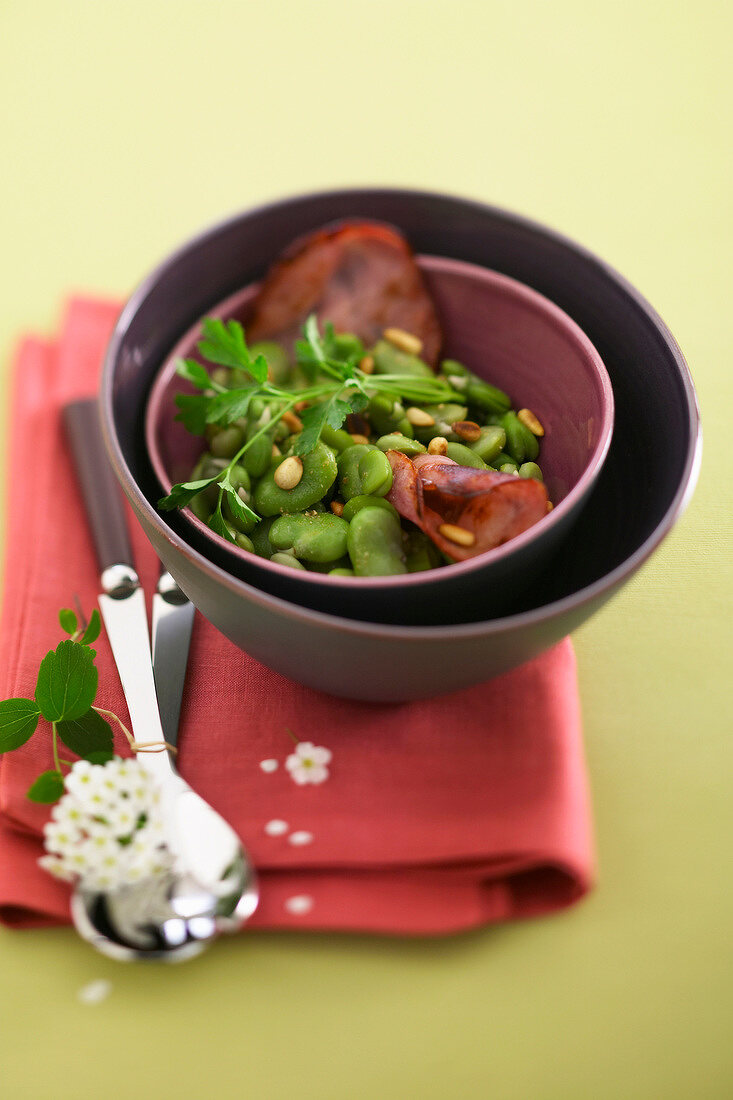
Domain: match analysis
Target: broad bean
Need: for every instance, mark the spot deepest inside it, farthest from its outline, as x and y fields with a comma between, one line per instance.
x=357, y=503
x=530, y=469
x=287, y=559
x=491, y=443
x=387, y=415
x=364, y=470
x=390, y=360
x=319, y=473
x=319, y=538
x=375, y=544
x=397, y=442
x=464, y=456
x=445, y=416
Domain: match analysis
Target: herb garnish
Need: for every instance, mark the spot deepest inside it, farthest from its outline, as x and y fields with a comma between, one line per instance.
x=336, y=387
x=66, y=688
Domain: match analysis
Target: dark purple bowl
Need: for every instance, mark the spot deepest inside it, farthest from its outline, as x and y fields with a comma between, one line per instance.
x=521, y=342
x=645, y=483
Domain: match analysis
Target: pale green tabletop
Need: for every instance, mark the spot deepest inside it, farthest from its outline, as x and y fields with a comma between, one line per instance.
x=126, y=128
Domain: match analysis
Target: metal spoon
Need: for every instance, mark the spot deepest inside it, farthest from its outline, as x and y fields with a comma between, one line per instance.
x=213, y=887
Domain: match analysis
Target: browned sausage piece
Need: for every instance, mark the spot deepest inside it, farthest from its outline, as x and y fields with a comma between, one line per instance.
x=490, y=506
x=359, y=275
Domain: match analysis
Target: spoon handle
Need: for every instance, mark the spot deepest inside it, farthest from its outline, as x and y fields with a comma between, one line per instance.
x=123, y=602
x=98, y=484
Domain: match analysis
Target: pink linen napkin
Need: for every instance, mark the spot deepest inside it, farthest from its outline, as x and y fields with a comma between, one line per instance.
x=435, y=816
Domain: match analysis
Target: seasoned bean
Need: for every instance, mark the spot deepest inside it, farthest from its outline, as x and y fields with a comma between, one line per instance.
x=515, y=442
x=357, y=503
x=486, y=397
x=385, y=415
x=287, y=559
x=256, y=458
x=531, y=442
x=319, y=473
x=260, y=538
x=336, y=438
x=364, y=470
x=444, y=417
x=341, y=572
x=530, y=469
x=389, y=360
x=313, y=538
x=464, y=456
x=397, y=442
x=490, y=443
x=375, y=544
x=226, y=442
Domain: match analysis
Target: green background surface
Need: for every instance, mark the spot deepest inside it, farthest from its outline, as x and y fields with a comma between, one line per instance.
x=126, y=128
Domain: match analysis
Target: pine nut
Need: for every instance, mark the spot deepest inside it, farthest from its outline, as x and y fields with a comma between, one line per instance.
x=460, y=535
x=550, y=506
x=419, y=418
x=288, y=473
x=293, y=422
x=403, y=341
x=528, y=418
x=358, y=437
x=276, y=452
x=467, y=429
x=367, y=364
x=337, y=507
x=438, y=445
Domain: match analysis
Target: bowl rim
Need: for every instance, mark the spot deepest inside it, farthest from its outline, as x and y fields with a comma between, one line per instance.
x=503, y=285
x=603, y=586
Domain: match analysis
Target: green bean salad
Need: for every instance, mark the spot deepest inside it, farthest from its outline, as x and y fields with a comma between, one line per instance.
x=300, y=449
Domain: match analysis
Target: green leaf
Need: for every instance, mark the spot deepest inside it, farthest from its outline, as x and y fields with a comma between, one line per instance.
x=336, y=411
x=217, y=523
x=101, y=757
x=18, y=721
x=184, y=492
x=358, y=401
x=68, y=620
x=227, y=407
x=47, y=788
x=313, y=418
x=193, y=408
x=313, y=338
x=240, y=510
x=67, y=682
x=86, y=735
x=224, y=343
x=193, y=372
x=92, y=631
x=258, y=368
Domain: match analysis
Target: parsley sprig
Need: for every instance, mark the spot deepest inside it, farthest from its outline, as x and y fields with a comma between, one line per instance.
x=336, y=387
x=65, y=691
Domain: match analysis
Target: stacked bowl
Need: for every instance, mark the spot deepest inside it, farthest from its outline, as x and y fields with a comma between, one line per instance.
x=542, y=318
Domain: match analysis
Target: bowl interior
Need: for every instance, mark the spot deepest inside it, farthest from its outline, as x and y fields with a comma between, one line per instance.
x=504, y=331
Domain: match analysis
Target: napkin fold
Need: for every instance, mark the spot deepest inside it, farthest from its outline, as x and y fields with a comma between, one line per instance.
x=436, y=816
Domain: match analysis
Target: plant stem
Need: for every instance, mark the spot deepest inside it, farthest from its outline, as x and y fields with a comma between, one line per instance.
x=55, y=743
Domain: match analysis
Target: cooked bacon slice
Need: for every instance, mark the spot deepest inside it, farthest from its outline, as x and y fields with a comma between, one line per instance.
x=359, y=275
x=494, y=507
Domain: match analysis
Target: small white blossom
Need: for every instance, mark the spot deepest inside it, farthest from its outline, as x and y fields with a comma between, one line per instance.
x=107, y=829
x=308, y=763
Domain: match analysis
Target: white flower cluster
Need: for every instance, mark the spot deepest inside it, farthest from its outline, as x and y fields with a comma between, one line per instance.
x=107, y=830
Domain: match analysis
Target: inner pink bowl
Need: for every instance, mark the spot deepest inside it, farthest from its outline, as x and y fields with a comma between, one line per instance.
x=505, y=332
